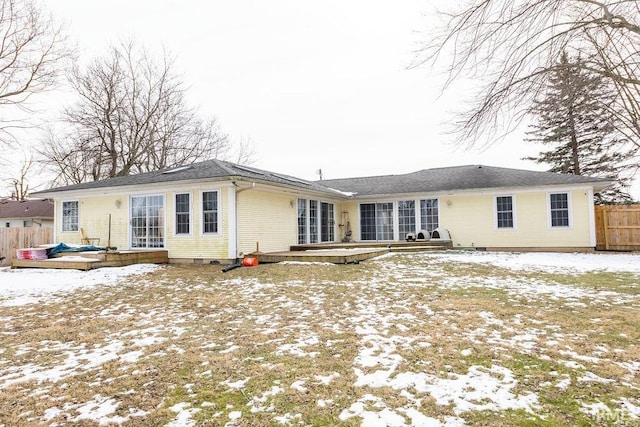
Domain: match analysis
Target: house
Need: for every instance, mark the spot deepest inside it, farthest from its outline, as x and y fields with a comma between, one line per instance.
x=26, y=213
x=216, y=210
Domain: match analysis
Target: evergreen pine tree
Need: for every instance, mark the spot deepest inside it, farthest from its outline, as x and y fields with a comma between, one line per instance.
x=574, y=118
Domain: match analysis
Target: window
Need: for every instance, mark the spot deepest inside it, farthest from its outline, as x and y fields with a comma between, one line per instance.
x=183, y=213
x=429, y=214
x=70, y=216
x=504, y=212
x=406, y=217
x=210, y=212
x=559, y=209
x=302, y=221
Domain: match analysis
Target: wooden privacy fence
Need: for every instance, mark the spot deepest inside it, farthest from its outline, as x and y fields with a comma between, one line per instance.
x=618, y=227
x=12, y=238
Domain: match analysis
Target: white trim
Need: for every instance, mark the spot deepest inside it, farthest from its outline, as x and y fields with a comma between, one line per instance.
x=232, y=223
x=217, y=233
x=592, y=219
x=554, y=188
x=513, y=212
x=175, y=212
x=319, y=219
x=306, y=221
x=569, y=207
x=394, y=213
x=62, y=202
x=419, y=224
x=416, y=218
x=164, y=220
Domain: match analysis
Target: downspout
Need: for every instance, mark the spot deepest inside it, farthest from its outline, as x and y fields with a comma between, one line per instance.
x=235, y=205
x=592, y=219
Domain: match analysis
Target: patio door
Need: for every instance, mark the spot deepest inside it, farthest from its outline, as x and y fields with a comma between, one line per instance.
x=147, y=222
x=320, y=226
x=327, y=222
x=376, y=221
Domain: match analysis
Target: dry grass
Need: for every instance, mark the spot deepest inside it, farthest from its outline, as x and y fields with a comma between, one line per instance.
x=286, y=340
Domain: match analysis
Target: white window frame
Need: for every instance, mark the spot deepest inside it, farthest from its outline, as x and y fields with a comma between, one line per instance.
x=419, y=213
x=302, y=213
x=415, y=216
x=569, y=211
x=62, y=216
x=162, y=217
x=513, y=212
x=394, y=220
x=175, y=214
x=218, y=213
x=319, y=219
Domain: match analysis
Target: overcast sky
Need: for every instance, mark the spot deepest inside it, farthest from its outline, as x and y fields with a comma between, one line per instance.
x=315, y=85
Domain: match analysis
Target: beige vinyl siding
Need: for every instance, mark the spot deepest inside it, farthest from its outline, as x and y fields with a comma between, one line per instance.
x=197, y=245
x=94, y=213
x=471, y=221
x=93, y=218
x=351, y=209
x=266, y=220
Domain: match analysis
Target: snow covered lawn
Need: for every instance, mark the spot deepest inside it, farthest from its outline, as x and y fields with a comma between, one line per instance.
x=438, y=339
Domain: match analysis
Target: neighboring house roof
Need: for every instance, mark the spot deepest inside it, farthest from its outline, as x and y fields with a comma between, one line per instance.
x=26, y=209
x=207, y=170
x=470, y=177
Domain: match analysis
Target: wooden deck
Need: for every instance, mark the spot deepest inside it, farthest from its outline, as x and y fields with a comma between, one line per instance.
x=95, y=259
x=348, y=253
x=427, y=245
x=335, y=256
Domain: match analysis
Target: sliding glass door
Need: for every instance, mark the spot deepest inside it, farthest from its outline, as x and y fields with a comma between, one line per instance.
x=376, y=221
x=147, y=222
x=316, y=221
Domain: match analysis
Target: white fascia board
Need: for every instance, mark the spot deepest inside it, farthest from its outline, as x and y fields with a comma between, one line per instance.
x=476, y=192
x=133, y=189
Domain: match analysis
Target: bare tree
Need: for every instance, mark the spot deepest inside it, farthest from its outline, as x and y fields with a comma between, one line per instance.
x=32, y=48
x=132, y=116
x=21, y=183
x=512, y=46
x=245, y=152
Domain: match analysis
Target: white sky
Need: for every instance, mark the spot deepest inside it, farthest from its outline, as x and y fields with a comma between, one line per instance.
x=315, y=85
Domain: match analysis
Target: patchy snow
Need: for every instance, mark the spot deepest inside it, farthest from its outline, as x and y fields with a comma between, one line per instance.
x=30, y=285
x=549, y=261
x=184, y=417
x=384, y=331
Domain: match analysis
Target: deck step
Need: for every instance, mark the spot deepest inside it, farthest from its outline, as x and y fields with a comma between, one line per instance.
x=337, y=256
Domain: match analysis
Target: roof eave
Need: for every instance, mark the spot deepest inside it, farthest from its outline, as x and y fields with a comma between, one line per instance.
x=596, y=185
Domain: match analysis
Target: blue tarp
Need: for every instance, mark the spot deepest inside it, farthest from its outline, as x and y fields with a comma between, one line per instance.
x=61, y=247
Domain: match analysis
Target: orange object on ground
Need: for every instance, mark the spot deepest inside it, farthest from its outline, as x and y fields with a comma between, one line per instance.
x=249, y=262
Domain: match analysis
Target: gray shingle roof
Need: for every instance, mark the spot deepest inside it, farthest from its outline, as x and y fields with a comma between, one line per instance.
x=424, y=181
x=26, y=209
x=207, y=170
x=470, y=177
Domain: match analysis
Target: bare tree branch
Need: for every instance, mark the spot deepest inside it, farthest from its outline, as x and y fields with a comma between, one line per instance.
x=511, y=47
x=32, y=50
x=132, y=116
